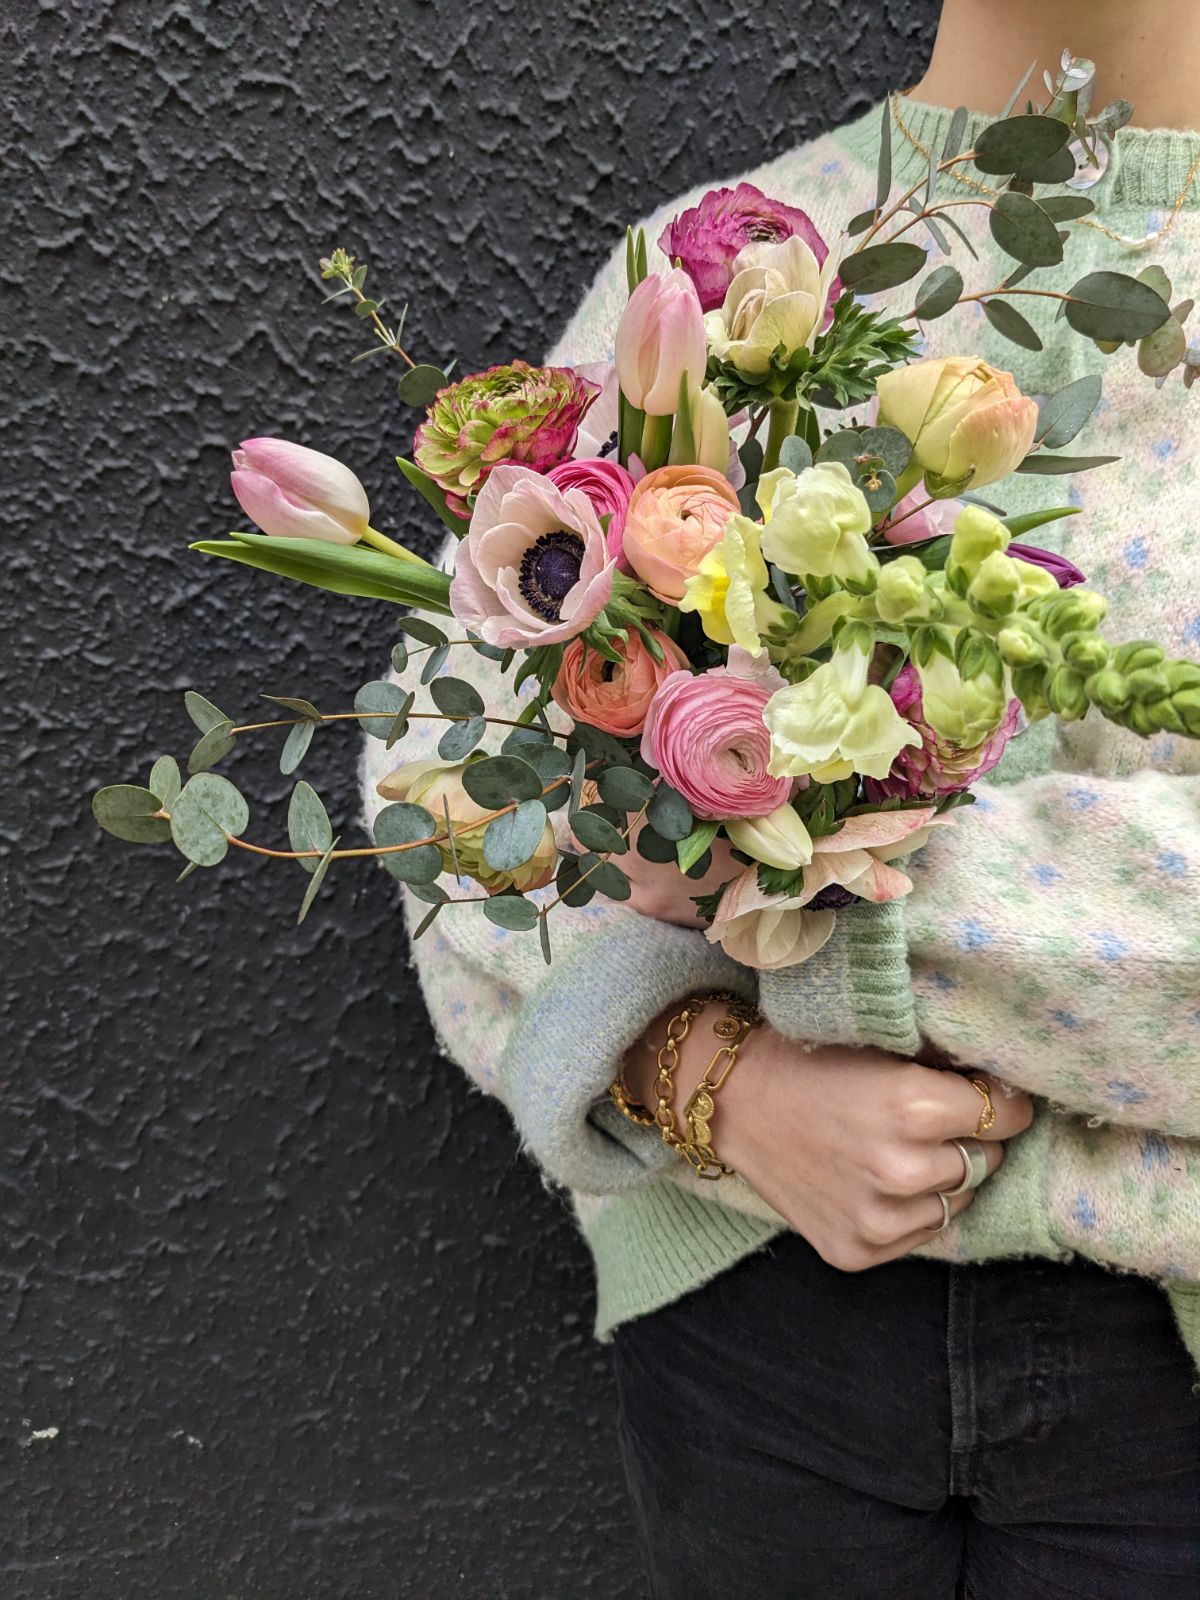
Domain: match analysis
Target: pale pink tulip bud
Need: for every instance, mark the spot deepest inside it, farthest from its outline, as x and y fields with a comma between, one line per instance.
x=659, y=338
x=293, y=492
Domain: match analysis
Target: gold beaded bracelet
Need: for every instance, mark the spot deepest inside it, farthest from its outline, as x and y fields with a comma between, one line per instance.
x=696, y=1148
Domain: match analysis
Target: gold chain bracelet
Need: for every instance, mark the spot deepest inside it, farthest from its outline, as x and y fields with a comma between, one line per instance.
x=696, y=1146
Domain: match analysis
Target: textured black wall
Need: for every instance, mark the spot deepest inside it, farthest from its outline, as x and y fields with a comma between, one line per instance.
x=282, y=1314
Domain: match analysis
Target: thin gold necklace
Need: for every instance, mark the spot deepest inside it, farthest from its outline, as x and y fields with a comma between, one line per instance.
x=1084, y=222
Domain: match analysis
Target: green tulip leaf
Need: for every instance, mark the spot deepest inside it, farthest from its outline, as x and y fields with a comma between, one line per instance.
x=690, y=850
x=434, y=495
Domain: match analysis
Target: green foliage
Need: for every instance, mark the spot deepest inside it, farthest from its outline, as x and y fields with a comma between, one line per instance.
x=938, y=293
x=1112, y=305
x=127, y=812
x=625, y=788
x=510, y=839
x=309, y=827
x=434, y=495
x=339, y=568
x=407, y=824
x=419, y=386
x=597, y=832
x=165, y=780
x=212, y=747
x=1007, y=320
x=1062, y=415
x=881, y=266
x=1023, y=230
x=295, y=747
x=207, y=813
x=315, y=882
x=1017, y=144
x=499, y=780
x=302, y=708
x=378, y=700
x=511, y=911
x=669, y=813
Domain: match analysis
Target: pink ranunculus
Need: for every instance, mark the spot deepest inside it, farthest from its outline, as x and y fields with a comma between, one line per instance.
x=660, y=337
x=615, y=697
x=916, y=517
x=936, y=767
x=706, y=736
x=707, y=237
x=293, y=492
x=675, y=517
x=608, y=486
x=533, y=568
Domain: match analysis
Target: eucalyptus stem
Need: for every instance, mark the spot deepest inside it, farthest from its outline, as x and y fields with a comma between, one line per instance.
x=783, y=423
x=366, y=716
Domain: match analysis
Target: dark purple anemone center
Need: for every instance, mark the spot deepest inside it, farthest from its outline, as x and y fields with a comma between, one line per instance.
x=833, y=898
x=549, y=571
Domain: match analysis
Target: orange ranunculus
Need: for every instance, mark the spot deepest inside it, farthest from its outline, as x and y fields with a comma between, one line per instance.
x=676, y=515
x=614, y=698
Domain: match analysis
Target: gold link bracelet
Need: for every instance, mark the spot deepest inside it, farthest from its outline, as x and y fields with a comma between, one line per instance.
x=696, y=1148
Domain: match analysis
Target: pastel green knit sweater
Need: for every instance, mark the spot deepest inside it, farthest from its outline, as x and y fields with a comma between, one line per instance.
x=1052, y=936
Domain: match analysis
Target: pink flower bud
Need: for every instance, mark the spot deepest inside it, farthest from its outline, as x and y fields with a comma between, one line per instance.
x=659, y=338
x=293, y=492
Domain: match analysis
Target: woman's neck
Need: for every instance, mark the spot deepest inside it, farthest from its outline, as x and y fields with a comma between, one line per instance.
x=1146, y=51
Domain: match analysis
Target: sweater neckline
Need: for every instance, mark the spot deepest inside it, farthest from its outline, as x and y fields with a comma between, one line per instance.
x=1149, y=166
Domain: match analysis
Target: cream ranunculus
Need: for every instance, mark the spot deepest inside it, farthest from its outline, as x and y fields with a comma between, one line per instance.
x=836, y=723
x=778, y=840
x=966, y=421
x=816, y=522
x=777, y=297
x=766, y=931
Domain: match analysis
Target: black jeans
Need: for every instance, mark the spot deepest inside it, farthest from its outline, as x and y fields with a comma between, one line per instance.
x=1015, y=1431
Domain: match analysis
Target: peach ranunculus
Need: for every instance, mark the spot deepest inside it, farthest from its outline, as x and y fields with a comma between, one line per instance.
x=770, y=931
x=676, y=515
x=615, y=698
x=966, y=421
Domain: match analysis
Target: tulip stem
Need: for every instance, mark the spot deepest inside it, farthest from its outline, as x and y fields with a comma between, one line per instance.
x=656, y=441
x=391, y=548
x=784, y=414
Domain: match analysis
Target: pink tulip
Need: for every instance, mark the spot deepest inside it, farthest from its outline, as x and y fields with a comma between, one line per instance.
x=659, y=338
x=293, y=492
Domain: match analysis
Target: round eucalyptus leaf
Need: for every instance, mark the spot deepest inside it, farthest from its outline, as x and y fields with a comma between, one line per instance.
x=421, y=629
x=881, y=266
x=1058, y=168
x=843, y=446
x=1066, y=207
x=670, y=814
x=419, y=386
x=600, y=746
x=938, y=293
x=879, y=490
x=383, y=699
x=889, y=445
x=605, y=877
x=795, y=454
x=596, y=832
x=295, y=747
x=460, y=738
x=456, y=697
x=404, y=823
x=700, y=866
x=550, y=762
x=1111, y=305
x=651, y=846
x=165, y=780
x=202, y=712
x=499, y=780
x=1161, y=352
x=1017, y=143
x=127, y=812
x=511, y=911
x=432, y=893
x=510, y=840
x=1008, y=321
x=1023, y=230
x=399, y=657
x=213, y=746
x=207, y=813
x=573, y=892
x=625, y=788
x=309, y=827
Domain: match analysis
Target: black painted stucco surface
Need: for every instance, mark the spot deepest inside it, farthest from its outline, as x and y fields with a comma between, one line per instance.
x=304, y=1323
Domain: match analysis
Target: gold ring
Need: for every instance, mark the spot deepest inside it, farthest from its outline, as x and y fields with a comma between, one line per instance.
x=988, y=1115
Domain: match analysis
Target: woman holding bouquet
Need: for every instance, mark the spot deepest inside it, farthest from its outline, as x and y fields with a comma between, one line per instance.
x=938, y=1335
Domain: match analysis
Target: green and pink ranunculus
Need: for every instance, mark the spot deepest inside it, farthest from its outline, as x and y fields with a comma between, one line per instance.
x=515, y=413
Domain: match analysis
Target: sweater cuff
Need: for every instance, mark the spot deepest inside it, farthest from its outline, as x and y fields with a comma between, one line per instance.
x=574, y=1030
x=855, y=990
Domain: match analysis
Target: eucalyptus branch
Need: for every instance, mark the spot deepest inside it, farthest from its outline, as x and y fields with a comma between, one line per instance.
x=889, y=212
x=340, y=267
x=365, y=716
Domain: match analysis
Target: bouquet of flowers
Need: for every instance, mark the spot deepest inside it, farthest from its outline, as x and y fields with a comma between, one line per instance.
x=743, y=577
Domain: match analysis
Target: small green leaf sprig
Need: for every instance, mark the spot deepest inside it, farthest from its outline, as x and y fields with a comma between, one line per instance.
x=420, y=384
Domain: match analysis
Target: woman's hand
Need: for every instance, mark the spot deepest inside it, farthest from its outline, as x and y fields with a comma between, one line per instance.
x=849, y=1145
x=661, y=891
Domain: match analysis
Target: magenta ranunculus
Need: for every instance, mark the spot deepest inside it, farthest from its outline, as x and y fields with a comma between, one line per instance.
x=534, y=568
x=935, y=766
x=608, y=486
x=707, y=237
x=515, y=413
x=1065, y=573
x=706, y=736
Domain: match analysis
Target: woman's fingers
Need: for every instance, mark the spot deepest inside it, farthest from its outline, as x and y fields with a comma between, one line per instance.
x=949, y=1168
x=938, y=1105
